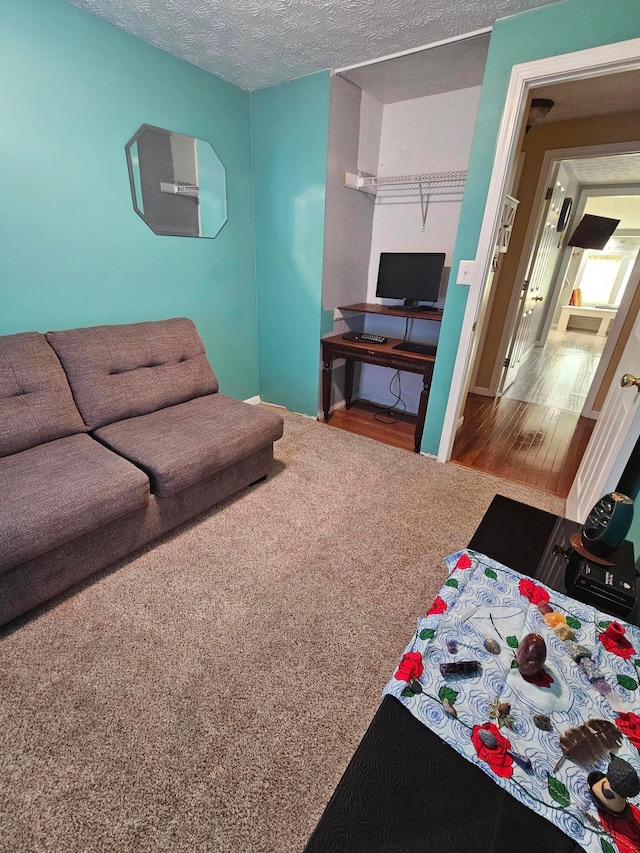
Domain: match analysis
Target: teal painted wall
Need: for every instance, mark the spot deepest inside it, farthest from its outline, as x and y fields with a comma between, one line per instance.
x=548, y=31
x=290, y=125
x=73, y=90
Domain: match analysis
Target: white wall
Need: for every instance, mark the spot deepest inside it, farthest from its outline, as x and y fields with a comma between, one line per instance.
x=431, y=134
x=371, y=112
x=348, y=214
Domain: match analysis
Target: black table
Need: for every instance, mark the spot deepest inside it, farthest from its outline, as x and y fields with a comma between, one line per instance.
x=407, y=790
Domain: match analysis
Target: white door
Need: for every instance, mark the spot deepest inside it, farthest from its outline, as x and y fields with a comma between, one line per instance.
x=541, y=270
x=613, y=439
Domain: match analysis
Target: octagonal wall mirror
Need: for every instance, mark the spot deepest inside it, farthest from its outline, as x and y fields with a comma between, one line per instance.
x=178, y=184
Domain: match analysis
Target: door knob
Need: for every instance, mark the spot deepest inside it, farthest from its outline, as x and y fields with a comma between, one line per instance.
x=628, y=380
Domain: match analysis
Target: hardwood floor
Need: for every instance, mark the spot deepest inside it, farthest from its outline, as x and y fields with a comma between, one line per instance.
x=360, y=420
x=526, y=442
x=560, y=373
x=533, y=434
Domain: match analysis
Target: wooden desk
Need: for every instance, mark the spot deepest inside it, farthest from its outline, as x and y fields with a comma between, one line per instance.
x=382, y=354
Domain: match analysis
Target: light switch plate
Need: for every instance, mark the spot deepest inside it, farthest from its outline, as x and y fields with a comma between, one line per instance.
x=465, y=272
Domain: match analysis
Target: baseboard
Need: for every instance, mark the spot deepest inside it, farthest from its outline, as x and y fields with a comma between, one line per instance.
x=253, y=401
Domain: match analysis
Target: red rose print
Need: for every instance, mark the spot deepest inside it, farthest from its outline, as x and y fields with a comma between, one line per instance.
x=438, y=606
x=629, y=724
x=464, y=562
x=624, y=828
x=540, y=679
x=614, y=641
x=535, y=594
x=497, y=758
x=409, y=667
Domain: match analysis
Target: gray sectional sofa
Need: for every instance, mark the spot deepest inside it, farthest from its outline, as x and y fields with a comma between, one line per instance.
x=110, y=436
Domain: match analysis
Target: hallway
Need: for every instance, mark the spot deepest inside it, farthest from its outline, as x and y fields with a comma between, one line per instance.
x=534, y=434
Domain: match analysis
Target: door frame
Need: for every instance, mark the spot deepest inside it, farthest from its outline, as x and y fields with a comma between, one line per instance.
x=579, y=65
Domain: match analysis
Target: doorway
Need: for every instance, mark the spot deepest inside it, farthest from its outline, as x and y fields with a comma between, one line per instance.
x=599, y=468
x=536, y=427
x=530, y=416
x=571, y=308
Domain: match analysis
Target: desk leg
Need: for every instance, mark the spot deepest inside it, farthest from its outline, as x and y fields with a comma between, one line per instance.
x=348, y=382
x=326, y=388
x=422, y=411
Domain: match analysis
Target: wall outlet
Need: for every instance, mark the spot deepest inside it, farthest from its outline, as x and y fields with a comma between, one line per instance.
x=465, y=272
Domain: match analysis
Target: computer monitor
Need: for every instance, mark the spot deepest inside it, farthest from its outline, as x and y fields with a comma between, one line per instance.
x=412, y=276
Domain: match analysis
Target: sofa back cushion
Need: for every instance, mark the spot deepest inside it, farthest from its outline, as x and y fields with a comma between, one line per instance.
x=123, y=371
x=35, y=399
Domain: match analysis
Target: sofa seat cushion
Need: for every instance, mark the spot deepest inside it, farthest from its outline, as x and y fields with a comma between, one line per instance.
x=35, y=399
x=55, y=492
x=181, y=445
x=126, y=370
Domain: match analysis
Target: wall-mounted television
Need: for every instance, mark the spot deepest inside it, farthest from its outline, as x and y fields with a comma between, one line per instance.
x=414, y=277
x=593, y=232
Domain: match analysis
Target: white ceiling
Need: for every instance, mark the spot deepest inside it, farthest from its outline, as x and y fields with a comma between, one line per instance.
x=257, y=43
x=616, y=169
x=624, y=208
x=605, y=95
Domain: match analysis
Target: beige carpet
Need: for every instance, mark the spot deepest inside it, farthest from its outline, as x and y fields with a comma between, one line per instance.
x=207, y=694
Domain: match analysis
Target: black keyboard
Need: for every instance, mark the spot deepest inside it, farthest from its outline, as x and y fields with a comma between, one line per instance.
x=365, y=337
x=412, y=346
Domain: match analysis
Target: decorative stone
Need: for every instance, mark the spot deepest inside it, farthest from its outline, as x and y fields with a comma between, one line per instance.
x=552, y=619
x=564, y=632
x=544, y=607
x=463, y=667
x=603, y=687
x=577, y=651
x=415, y=686
x=487, y=738
x=542, y=722
x=492, y=646
x=590, y=669
x=452, y=647
x=531, y=654
x=448, y=706
x=521, y=760
x=501, y=713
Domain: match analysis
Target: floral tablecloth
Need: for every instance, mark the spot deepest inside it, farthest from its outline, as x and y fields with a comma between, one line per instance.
x=482, y=612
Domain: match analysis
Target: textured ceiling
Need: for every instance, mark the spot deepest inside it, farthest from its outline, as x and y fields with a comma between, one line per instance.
x=257, y=43
x=457, y=65
x=617, y=169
